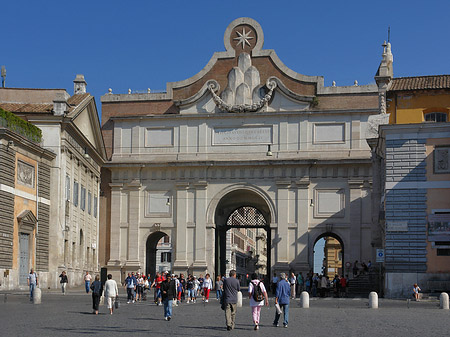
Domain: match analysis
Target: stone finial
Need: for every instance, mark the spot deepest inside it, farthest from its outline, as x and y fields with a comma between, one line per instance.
x=129, y=91
x=79, y=85
x=356, y=83
x=333, y=84
x=148, y=90
x=110, y=91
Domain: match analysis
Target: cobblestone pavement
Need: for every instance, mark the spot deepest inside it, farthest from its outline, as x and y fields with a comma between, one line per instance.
x=71, y=315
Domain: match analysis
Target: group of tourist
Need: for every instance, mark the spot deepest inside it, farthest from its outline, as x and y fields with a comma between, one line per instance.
x=313, y=283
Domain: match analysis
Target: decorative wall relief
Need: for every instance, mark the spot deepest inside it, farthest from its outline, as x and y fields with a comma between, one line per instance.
x=25, y=174
x=441, y=160
x=243, y=93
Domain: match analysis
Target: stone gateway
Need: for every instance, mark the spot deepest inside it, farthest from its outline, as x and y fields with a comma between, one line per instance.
x=246, y=143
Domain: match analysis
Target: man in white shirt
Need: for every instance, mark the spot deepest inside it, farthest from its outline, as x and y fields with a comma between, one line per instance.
x=111, y=293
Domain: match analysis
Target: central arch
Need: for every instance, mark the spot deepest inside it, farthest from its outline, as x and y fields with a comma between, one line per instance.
x=245, y=209
x=151, y=252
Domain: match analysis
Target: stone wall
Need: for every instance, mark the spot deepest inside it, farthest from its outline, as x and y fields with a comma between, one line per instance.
x=405, y=247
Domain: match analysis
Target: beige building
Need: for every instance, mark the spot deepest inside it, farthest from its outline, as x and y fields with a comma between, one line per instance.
x=71, y=132
x=246, y=131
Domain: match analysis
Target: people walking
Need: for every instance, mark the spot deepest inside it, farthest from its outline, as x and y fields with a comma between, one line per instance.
x=168, y=293
x=87, y=281
x=63, y=281
x=97, y=290
x=111, y=293
x=293, y=283
x=219, y=288
x=231, y=287
x=207, y=286
x=32, y=281
x=258, y=297
x=130, y=285
x=274, y=283
x=282, y=297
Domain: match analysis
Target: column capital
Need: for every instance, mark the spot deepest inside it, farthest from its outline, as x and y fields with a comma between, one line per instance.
x=182, y=185
x=134, y=185
x=356, y=183
x=283, y=183
x=116, y=186
x=201, y=185
x=303, y=183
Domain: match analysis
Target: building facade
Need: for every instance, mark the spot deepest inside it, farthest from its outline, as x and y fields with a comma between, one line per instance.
x=25, y=198
x=410, y=188
x=71, y=131
x=246, y=131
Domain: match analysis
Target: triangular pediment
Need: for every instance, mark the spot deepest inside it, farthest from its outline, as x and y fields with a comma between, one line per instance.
x=85, y=119
x=26, y=216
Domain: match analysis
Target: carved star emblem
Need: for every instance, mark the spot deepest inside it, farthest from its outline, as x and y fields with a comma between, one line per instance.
x=243, y=38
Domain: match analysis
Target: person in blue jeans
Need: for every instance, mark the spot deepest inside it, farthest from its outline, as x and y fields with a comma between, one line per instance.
x=282, y=297
x=87, y=281
x=32, y=282
x=168, y=293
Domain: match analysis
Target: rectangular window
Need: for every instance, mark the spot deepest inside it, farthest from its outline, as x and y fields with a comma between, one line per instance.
x=75, y=193
x=83, y=198
x=67, y=188
x=166, y=257
x=95, y=206
x=89, y=202
x=443, y=252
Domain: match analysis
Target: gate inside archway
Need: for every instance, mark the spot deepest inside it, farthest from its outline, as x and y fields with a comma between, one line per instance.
x=242, y=235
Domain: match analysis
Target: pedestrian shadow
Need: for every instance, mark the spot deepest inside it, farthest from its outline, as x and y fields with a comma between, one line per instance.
x=146, y=319
x=216, y=328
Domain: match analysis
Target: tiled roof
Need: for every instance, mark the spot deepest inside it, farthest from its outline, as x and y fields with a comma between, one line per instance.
x=21, y=107
x=73, y=101
x=420, y=83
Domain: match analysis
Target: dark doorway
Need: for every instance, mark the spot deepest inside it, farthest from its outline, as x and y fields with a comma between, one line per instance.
x=151, y=252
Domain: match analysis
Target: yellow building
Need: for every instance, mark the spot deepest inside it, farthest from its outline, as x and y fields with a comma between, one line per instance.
x=419, y=99
x=333, y=257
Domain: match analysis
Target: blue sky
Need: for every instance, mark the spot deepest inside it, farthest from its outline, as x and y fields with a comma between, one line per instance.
x=144, y=44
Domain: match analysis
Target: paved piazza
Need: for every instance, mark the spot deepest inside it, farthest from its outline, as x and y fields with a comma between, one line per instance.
x=71, y=315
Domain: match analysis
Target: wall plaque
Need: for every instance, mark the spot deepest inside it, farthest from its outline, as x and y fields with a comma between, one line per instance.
x=242, y=135
x=396, y=226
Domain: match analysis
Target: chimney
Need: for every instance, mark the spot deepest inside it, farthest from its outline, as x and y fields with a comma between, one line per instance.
x=60, y=106
x=79, y=85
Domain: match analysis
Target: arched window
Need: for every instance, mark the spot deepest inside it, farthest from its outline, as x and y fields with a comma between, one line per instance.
x=439, y=117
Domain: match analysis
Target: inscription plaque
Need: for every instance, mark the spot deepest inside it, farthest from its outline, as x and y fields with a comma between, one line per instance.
x=242, y=135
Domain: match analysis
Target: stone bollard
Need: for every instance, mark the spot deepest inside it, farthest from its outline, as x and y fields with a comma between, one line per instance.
x=443, y=299
x=373, y=300
x=37, y=294
x=304, y=300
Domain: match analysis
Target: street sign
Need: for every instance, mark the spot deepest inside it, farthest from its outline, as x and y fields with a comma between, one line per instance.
x=380, y=255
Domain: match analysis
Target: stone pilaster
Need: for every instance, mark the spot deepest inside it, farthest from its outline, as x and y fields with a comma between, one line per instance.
x=180, y=264
x=304, y=209
x=132, y=262
x=114, y=263
x=200, y=226
x=281, y=237
x=355, y=218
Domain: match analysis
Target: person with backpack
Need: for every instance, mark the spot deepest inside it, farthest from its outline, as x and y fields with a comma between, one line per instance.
x=258, y=297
